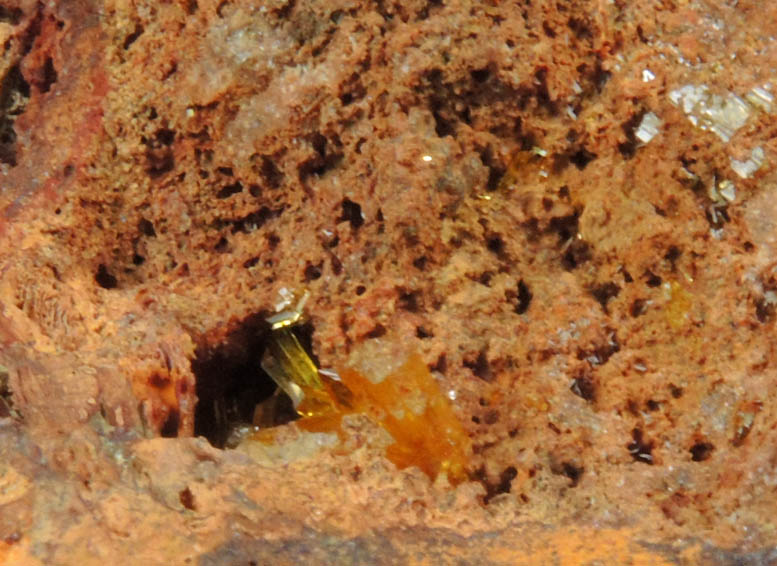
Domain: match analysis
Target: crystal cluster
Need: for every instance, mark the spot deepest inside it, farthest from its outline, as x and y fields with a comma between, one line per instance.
x=721, y=114
x=407, y=403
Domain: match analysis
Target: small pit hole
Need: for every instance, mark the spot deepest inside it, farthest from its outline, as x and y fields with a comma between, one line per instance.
x=523, y=300
x=503, y=485
x=48, y=75
x=701, y=451
x=10, y=15
x=423, y=333
x=229, y=190
x=584, y=387
x=495, y=169
x=652, y=280
x=165, y=136
x=146, y=228
x=480, y=366
x=577, y=253
x=604, y=293
x=764, y=310
x=222, y=246
x=629, y=147
x=132, y=37
x=571, y=471
x=480, y=75
x=170, y=426
x=410, y=301
x=672, y=254
x=485, y=278
x=270, y=172
x=638, y=307
x=104, y=278
x=337, y=265
x=377, y=331
x=495, y=245
x=186, y=497
x=312, y=272
x=352, y=213
x=640, y=449
x=582, y=158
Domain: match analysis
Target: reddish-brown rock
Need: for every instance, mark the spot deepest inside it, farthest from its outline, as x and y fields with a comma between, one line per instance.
x=566, y=209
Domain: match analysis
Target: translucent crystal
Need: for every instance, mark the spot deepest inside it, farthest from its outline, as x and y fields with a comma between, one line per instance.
x=648, y=127
x=407, y=403
x=723, y=115
x=290, y=312
x=746, y=168
x=410, y=406
x=727, y=190
x=287, y=363
x=760, y=98
x=398, y=393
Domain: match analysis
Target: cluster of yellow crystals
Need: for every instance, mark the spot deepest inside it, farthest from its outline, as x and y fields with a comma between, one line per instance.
x=407, y=403
x=286, y=361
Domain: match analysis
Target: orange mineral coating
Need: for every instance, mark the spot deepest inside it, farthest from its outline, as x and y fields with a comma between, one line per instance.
x=678, y=305
x=410, y=406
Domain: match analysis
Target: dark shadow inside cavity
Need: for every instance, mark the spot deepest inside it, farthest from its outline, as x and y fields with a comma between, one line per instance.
x=231, y=382
x=14, y=93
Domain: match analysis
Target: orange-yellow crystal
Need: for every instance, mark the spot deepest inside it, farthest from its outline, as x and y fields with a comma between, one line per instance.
x=409, y=405
x=678, y=305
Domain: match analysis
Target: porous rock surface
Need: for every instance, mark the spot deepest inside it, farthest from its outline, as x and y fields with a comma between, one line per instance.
x=472, y=181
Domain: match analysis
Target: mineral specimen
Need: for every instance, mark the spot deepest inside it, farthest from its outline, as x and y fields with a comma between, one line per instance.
x=407, y=403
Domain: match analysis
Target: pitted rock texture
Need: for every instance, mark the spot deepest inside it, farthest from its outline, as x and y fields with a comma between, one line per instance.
x=471, y=181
